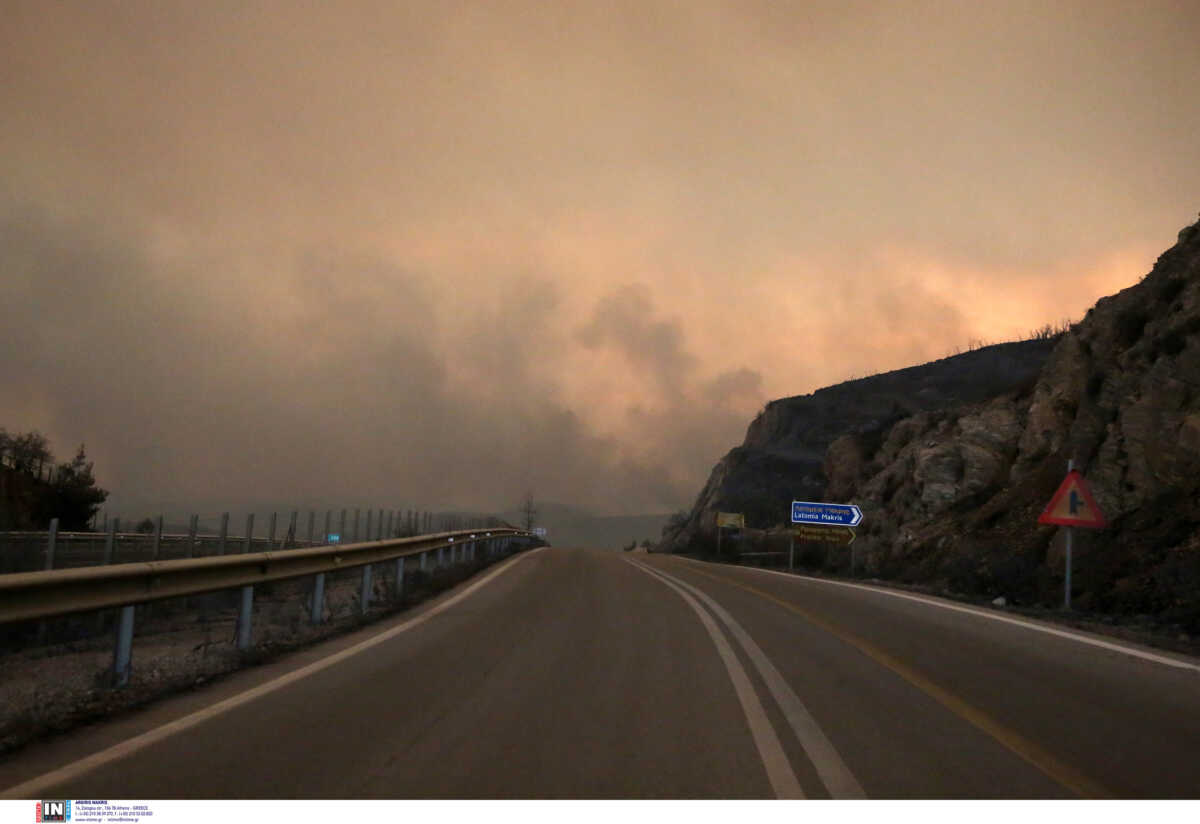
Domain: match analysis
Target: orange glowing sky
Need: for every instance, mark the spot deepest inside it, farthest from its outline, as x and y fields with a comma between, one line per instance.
x=436, y=254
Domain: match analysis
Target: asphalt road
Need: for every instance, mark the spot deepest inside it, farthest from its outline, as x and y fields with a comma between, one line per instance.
x=585, y=674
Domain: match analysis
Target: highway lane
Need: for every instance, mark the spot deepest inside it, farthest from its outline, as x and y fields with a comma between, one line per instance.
x=586, y=674
x=570, y=674
x=929, y=702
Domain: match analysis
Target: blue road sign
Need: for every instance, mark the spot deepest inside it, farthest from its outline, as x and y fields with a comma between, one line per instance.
x=334, y=538
x=806, y=512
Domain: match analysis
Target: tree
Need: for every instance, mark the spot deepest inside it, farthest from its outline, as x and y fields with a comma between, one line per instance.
x=146, y=526
x=529, y=511
x=75, y=497
x=28, y=451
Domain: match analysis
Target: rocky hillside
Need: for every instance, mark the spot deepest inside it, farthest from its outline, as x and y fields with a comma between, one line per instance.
x=952, y=461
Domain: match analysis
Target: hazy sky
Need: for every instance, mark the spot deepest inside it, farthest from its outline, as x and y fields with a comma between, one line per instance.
x=399, y=254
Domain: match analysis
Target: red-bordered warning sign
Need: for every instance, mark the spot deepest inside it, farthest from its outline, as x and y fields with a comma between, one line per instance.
x=1073, y=504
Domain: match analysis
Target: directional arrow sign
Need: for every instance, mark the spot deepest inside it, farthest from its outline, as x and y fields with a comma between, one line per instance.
x=806, y=512
x=1073, y=504
x=840, y=535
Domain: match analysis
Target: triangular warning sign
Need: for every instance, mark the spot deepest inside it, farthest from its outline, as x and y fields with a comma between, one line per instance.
x=1073, y=504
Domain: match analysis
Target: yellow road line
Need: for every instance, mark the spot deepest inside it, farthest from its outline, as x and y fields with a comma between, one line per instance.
x=1064, y=774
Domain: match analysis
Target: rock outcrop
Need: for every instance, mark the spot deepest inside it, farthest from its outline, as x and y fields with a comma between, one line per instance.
x=952, y=461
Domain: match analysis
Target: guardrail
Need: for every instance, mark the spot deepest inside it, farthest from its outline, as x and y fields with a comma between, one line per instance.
x=33, y=595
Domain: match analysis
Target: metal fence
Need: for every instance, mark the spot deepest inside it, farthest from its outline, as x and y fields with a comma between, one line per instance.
x=52, y=549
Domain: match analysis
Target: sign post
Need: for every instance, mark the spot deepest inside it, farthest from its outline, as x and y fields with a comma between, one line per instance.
x=732, y=519
x=827, y=523
x=1072, y=505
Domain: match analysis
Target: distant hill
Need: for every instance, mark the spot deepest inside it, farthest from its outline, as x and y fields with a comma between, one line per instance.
x=952, y=461
x=568, y=526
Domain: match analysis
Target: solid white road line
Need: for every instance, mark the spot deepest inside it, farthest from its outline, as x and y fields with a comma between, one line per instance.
x=834, y=773
x=779, y=768
x=991, y=616
x=34, y=787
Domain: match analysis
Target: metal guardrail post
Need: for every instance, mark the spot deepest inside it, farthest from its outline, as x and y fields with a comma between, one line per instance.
x=51, y=540
x=399, y=577
x=123, y=651
x=424, y=558
x=365, y=598
x=317, y=612
x=224, y=533
x=245, y=613
x=437, y=563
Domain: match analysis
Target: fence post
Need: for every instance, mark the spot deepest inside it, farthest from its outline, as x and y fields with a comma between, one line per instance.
x=291, y=533
x=110, y=542
x=193, y=528
x=109, y=547
x=271, y=533
x=399, y=576
x=365, y=599
x=224, y=533
x=391, y=514
x=312, y=523
x=249, y=532
x=123, y=651
x=318, y=599
x=342, y=528
x=158, y=536
x=379, y=527
x=51, y=540
x=328, y=516
x=421, y=564
x=791, y=552
x=244, y=615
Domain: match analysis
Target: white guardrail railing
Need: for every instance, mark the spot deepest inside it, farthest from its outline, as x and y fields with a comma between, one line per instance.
x=32, y=595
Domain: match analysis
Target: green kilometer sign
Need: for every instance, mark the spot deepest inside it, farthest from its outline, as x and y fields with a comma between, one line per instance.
x=840, y=535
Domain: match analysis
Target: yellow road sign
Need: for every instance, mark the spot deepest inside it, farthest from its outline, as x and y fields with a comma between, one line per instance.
x=841, y=535
x=733, y=519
